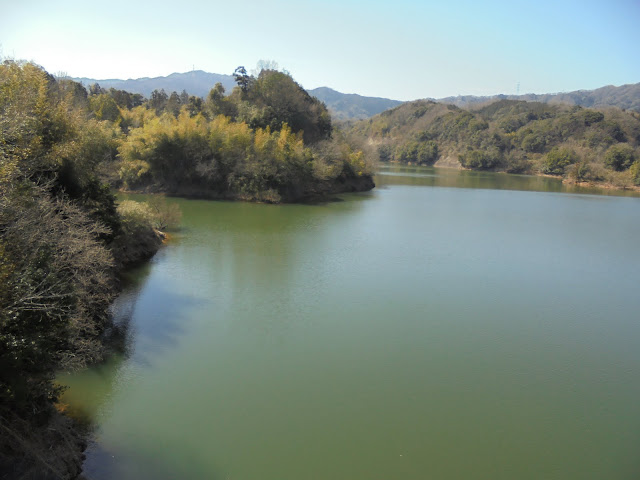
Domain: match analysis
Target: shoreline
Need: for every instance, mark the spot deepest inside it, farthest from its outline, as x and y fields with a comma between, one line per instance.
x=322, y=192
x=564, y=181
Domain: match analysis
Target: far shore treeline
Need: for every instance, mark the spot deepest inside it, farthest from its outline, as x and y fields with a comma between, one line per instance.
x=580, y=145
x=64, y=238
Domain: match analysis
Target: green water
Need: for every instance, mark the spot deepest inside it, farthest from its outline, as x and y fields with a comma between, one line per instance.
x=418, y=331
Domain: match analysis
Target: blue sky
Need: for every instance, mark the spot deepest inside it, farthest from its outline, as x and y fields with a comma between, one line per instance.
x=402, y=49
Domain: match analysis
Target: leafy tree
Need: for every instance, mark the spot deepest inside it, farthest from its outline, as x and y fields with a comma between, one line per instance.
x=242, y=78
x=56, y=270
x=158, y=100
x=592, y=116
x=480, y=160
x=533, y=142
x=218, y=104
x=173, y=104
x=619, y=157
x=104, y=107
x=557, y=160
x=125, y=99
x=194, y=105
x=96, y=89
x=423, y=153
x=385, y=153
x=275, y=99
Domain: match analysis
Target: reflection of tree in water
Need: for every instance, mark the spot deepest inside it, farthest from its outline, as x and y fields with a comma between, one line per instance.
x=116, y=338
x=146, y=321
x=89, y=389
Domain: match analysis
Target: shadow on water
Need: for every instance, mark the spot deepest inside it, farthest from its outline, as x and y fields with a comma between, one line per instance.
x=104, y=464
x=133, y=342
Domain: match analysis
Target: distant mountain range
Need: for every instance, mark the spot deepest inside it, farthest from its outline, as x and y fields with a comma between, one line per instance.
x=343, y=106
x=625, y=97
x=350, y=106
x=196, y=82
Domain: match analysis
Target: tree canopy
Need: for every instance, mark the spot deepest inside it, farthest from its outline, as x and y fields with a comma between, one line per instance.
x=579, y=144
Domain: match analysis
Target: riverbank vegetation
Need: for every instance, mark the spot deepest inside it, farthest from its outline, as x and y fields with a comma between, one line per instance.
x=601, y=147
x=59, y=228
x=64, y=238
x=269, y=140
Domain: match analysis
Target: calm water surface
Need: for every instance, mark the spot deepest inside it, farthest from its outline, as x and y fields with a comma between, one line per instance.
x=419, y=331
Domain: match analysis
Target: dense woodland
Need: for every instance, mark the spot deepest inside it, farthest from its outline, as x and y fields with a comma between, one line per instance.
x=579, y=144
x=64, y=237
x=268, y=140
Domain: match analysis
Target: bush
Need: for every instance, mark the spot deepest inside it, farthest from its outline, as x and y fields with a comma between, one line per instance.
x=480, y=160
x=579, y=172
x=138, y=240
x=635, y=172
x=56, y=287
x=423, y=153
x=619, y=157
x=557, y=160
x=165, y=215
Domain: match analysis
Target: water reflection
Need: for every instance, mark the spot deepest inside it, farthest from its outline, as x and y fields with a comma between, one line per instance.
x=394, y=174
x=403, y=333
x=133, y=341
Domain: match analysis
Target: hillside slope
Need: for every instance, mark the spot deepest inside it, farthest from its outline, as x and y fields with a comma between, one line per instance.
x=625, y=97
x=350, y=106
x=583, y=145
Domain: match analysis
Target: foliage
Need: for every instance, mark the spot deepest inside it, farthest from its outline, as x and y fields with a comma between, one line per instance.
x=634, y=171
x=62, y=237
x=557, y=160
x=422, y=153
x=619, y=157
x=55, y=220
x=56, y=290
x=58, y=227
x=166, y=216
x=275, y=99
x=512, y=136
x=229, y=159
x=479, y=159
x=242, y=78
x=104, y=107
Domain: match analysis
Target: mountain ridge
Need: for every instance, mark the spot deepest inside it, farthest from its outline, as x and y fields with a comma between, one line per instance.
x=623, y=96
x=352, y=106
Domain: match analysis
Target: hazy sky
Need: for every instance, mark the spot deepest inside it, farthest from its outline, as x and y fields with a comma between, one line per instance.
x=402, y=49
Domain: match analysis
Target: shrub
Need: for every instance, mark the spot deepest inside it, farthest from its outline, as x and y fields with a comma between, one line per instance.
x=635, y=172
x=619, y=157
x=480, y=160
x=165, y=215
x=557, y=160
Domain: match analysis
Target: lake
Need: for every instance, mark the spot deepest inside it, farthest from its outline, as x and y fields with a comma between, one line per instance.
x=446, y=325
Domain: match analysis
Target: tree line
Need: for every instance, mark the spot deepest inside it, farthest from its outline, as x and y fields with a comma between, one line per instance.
x=578, y=144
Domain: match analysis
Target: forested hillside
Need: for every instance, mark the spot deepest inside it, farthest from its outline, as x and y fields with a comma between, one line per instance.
x=626, y=97
x=580, y=144
x=350, y=106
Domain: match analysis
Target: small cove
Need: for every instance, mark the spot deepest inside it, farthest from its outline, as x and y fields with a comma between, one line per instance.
x=445, y=325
